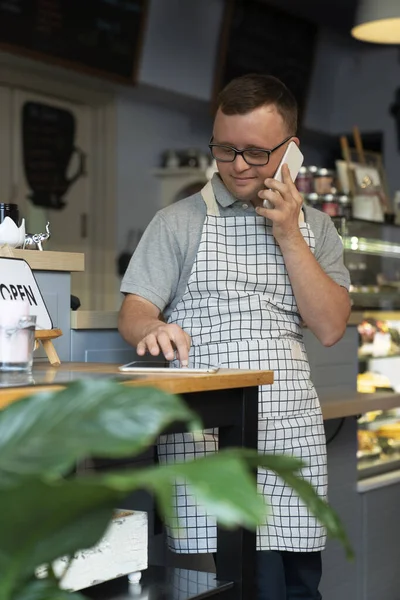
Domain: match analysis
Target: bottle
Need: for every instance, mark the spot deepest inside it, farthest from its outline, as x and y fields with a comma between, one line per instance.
x=9, y=210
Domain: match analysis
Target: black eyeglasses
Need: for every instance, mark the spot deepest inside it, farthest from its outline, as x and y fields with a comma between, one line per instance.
x=255, y=157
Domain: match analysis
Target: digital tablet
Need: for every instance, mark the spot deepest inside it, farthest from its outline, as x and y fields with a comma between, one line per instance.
x=152, y=367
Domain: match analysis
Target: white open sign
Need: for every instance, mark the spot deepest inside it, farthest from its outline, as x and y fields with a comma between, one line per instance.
x=17, y=282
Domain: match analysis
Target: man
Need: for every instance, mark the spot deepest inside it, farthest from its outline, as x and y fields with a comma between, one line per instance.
x=233, y=281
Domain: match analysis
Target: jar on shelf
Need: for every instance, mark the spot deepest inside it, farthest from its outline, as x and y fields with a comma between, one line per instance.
x=330, y=205
x=344, y=202
x=313, y=200
x=313, y=170
x=323, y=181
x=304, y=181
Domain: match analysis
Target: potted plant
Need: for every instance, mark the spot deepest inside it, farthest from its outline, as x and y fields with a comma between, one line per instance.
x=48, y=511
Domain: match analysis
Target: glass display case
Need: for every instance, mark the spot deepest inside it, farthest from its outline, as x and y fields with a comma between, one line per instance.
x=378, y=443
x=372, y=255
x=379, y=371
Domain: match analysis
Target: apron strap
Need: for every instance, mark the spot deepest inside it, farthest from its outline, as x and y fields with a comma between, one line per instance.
x=212, y=206
x=209, y=198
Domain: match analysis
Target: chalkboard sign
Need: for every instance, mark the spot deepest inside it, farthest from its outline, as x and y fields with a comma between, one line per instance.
x=48, y=142
x=102, y=37
x=258, y=38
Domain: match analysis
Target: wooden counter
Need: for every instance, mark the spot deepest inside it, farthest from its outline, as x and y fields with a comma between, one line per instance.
x=226, y=399
x=357, y=316
x=55, y=378
x=351, y=404
x=47, y=378
x=47, y=260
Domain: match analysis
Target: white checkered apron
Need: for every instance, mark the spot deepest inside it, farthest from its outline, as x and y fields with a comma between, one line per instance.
x=240, y=312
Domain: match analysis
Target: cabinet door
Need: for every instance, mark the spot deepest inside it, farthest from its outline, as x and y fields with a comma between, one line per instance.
x=52, y=143
x=381, y=541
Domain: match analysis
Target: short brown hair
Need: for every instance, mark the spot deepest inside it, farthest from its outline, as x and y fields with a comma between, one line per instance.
x=248, y=92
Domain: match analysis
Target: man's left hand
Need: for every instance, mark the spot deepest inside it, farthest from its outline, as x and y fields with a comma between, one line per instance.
x=286, y=202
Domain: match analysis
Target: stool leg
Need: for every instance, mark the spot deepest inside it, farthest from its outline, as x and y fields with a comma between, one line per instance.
x=51, y=353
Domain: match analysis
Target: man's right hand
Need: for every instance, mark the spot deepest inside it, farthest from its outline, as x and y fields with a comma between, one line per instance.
x=166, y=338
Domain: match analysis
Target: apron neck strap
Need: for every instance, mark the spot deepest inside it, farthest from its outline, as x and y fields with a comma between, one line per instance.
x=209, y=198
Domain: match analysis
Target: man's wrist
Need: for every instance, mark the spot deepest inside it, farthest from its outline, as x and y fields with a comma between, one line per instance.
x=291, y=242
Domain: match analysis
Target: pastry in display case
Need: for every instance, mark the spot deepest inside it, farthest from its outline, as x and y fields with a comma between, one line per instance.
x=379, y=371
x=378, y=442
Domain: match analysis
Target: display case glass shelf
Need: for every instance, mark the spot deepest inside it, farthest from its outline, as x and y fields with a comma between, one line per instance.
x=372, y=255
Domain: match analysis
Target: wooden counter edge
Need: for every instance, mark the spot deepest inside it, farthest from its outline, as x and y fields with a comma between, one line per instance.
x=358, y=316
x=47, y=260
x=355, y=403
x=10, y=395
x=174, y=384
x=333, y=407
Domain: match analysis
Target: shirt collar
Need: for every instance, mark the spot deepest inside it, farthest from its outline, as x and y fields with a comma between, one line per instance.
x=222, y=195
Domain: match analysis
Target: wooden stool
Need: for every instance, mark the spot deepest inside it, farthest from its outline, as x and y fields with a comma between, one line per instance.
x=45, y=337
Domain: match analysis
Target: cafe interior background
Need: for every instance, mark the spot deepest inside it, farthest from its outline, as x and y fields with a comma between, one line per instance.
x=94, y=139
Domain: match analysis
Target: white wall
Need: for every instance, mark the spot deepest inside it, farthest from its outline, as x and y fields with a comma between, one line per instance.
x=144, y=131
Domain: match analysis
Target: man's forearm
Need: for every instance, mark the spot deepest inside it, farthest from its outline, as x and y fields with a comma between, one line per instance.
x=136, y=318
x=323, y=304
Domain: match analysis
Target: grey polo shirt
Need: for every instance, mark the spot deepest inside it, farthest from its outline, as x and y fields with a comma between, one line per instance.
x=161, y=265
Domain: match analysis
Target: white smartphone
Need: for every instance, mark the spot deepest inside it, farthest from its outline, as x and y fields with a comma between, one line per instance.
x=149, y=368
x=294, y=159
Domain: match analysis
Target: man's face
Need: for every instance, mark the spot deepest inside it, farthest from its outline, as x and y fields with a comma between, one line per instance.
x=261, y=128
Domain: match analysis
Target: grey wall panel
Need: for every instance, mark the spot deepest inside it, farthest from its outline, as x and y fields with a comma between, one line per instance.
x=336, y=366
x=100, y=345
x=339, y=578
x=56, y=291
x=381, y=543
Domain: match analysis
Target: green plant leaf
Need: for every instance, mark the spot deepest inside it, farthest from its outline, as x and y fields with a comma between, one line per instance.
x=43, y=517
x=49, y=432
x=41, y=521
x=222, y=482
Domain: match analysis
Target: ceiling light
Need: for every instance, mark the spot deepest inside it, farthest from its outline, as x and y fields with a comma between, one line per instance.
x=378, y=21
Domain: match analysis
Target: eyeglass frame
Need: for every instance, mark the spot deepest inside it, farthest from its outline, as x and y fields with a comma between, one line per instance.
x=241, y=152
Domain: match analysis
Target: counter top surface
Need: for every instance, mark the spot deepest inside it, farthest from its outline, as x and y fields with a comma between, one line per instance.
x=14, y=386
x=45, y=377
x=348, y=404
x=358, y=316
x=47, y=260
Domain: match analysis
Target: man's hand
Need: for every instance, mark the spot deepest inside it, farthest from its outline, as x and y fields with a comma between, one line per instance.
x=166, y=338
x=140, y=325
x=287, y=202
